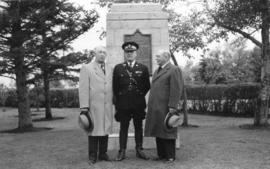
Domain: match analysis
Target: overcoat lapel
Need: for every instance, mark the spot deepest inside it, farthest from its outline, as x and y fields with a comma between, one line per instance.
x=162, y=72
x=98, y=70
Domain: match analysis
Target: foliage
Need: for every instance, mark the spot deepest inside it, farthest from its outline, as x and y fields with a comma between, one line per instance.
x=3, y=94
x=65, y=97
x=230, y=64
x=234, y=99
x=36, y=96
x=187, y=72
x=242, y=16
x=12, y=99
x=46, y=27
x=210, y=71
x=183, y=35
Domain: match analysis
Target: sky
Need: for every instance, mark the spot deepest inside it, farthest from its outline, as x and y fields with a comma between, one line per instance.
x=91, y=38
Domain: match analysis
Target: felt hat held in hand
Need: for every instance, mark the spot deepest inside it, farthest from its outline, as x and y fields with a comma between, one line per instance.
x=85, y=122
x=172, y=120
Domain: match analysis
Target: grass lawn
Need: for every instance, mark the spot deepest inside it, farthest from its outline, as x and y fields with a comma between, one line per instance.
x=218, y=143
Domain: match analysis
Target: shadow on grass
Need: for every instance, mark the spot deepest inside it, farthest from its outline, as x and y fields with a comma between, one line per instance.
x=51, y=119
x=189, y=126
x=26, y=130
x=32, y=114
x=38, y=110
x=254, y=127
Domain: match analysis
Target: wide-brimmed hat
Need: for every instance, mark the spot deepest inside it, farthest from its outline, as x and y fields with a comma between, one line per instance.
x=172, y=120
x=130, y=46
x=85, y=122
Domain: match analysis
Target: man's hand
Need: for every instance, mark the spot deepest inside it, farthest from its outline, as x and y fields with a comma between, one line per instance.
x=84, y=111
x=172, y=110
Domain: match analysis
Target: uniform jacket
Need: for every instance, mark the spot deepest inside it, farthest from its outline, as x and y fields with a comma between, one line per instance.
x=166, y=90
x=130, y=86
x=95, y=92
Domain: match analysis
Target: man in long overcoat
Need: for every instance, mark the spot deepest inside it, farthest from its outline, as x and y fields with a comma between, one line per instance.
x=165, y=94
x=95, y=94
x=130, y=85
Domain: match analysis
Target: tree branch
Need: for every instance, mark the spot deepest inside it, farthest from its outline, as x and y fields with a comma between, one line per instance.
x=244, y=34
x=10, y=77
x=233, y=29
x=4, y=37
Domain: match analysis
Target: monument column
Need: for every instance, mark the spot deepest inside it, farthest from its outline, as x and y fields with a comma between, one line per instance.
x=144, y=23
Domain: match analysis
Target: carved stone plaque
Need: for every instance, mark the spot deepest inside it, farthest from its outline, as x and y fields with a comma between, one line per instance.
x=144, y=54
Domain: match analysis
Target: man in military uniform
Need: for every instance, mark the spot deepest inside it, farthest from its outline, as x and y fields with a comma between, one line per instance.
x=130, y=85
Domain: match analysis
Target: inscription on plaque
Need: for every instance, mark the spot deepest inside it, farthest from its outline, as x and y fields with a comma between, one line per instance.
x=144, y=54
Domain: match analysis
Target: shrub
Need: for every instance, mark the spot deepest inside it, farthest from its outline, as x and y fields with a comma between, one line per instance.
x=64, y=98
x=233, y=99
x=229, y=100
x=12, y=100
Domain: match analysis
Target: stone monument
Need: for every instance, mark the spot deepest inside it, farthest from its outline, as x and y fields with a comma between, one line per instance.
x=144, y=23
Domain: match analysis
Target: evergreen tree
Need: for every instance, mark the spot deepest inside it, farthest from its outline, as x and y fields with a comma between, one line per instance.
x=31, y=35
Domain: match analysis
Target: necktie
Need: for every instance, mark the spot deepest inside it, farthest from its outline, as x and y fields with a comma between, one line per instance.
x=130, y=64
x=102, y=65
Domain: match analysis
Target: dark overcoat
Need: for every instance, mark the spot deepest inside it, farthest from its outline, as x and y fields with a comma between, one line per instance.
x=166, y=91
x=130, y=85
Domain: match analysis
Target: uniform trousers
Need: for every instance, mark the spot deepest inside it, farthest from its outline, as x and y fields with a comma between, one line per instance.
x=97, y=144
x=138, y=127
x=165, y=148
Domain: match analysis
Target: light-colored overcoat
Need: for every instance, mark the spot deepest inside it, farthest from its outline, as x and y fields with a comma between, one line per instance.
x=95, y=93
x=166, y=90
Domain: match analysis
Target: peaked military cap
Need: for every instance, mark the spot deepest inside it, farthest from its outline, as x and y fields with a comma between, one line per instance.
x=130, y=46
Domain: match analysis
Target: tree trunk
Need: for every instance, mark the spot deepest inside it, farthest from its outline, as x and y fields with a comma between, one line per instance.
x=37, y=102
x=48, y=113
x=17, y=50
x=25, y=120
x=185, y=118
x=261, y=117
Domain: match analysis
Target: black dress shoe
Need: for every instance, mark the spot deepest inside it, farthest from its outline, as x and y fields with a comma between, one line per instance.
x=169, y=160
x=140, y=154
x=121, y=155
x=104, y=157
x=92, y=161
x=158, y=158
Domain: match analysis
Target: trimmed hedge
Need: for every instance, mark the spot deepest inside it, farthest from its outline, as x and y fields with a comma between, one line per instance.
x=64, y=98
x=231, y=100
x=59, y=98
